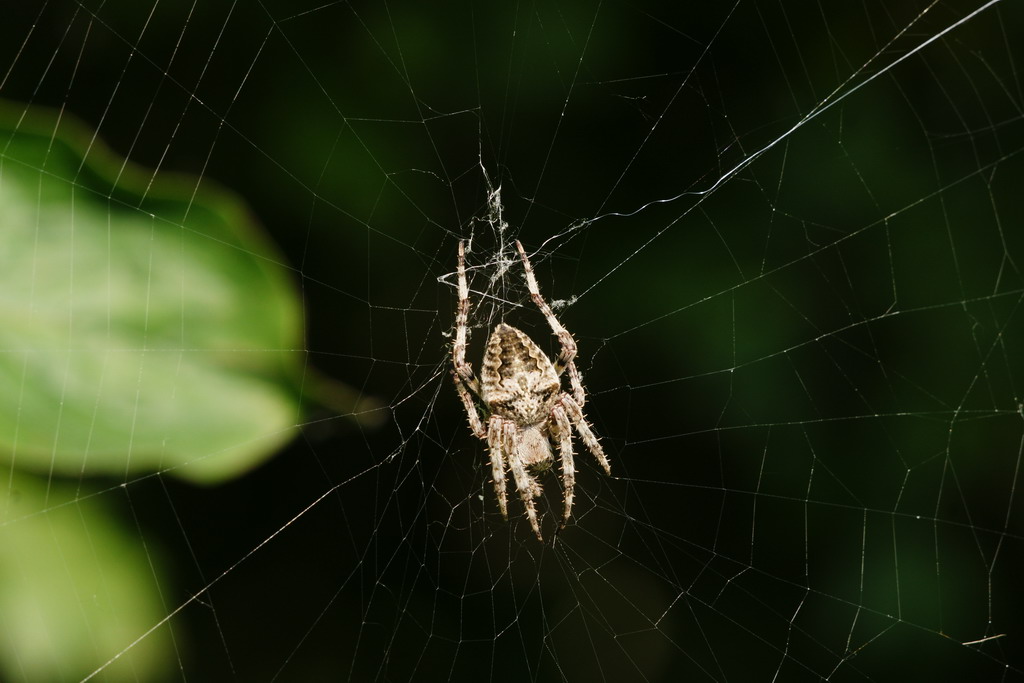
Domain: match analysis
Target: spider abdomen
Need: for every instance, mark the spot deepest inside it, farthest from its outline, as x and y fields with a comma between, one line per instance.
x=517, y=381
x=535, y=449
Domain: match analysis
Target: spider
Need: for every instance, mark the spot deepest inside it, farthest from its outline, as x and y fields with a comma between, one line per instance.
x=520, y=390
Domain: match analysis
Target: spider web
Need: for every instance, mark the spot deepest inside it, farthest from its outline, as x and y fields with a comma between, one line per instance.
x=786, y=237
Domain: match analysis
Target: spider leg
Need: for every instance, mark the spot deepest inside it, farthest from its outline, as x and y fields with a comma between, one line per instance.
x=563, y=431
x=465, y=378
x=496, y=442
x=463, y=370
x=575, y=414
x=528, y=487
x=566, y=358
x=471, y=412
x=577, y=385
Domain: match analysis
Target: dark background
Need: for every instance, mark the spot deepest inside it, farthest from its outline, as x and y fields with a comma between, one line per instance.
x=806, y=367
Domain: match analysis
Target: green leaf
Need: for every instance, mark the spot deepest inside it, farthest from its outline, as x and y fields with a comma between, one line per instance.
x=145, y=324
x=75, y=589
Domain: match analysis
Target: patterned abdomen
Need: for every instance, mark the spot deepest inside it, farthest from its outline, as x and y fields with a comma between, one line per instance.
x=517, y=379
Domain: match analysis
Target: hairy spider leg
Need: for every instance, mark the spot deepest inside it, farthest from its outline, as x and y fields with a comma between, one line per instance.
x=464, y=370
x=465, y=378
x=562, y=430
x=496, y=445
x=575, y=414
x=566, y=359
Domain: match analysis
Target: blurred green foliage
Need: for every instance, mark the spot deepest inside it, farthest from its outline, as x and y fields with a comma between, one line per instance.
x=144, y=328
x=147, y=326
x=76, y=588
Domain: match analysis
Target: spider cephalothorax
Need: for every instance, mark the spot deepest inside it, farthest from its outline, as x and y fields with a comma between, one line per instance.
x=521, y=391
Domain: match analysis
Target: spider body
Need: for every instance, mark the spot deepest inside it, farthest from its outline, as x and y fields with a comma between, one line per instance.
x=526, y=410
